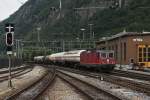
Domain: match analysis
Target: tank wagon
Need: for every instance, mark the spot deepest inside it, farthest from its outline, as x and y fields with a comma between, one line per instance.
x=56, y=58
x=102, y=60
x=39, y=59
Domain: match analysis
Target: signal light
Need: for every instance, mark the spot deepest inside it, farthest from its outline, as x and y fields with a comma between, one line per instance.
x=9, y=27
x=9, y=39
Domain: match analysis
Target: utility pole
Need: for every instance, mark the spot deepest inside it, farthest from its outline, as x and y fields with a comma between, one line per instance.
x=63, y=45
x=19, y=48
x=93, y=35
x=38, y=31
x=83, y=34
x=38, y=37
x=91, y=31
x=106, y=44
x=16, y=49
x=60, y=7
x=120, y=3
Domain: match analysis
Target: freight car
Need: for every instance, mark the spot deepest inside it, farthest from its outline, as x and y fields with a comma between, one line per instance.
x=102, y=60
x=39, y=59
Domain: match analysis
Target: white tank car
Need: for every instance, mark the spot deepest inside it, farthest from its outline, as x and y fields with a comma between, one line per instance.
x=47, y=59
x=72, y=56
x=56, y=56
x=38, y=59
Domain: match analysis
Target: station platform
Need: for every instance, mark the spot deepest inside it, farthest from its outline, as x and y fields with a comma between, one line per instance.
x=127, y=68
x=21, y=82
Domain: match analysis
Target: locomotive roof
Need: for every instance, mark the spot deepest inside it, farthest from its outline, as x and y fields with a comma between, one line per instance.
x=105, y=51
x=101, y=50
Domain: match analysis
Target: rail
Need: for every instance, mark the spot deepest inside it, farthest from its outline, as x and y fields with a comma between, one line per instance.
x=91, y=91
x=121, y=81
x=35, y=89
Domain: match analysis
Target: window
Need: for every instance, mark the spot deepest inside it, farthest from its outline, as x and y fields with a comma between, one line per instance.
x=103, y=55
x=112, y=47
x=140, y=54
x=116, y=52
x=111, y=55
x=144, y=49
x=144, y=53
x=124, y=51
x=140, y=59
x=149, y=49
x=97, y=54
x=148, y=54
x=148, y=59
x=121, y=51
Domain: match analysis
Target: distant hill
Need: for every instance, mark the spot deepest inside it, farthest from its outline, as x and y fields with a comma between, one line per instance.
x=65, y=23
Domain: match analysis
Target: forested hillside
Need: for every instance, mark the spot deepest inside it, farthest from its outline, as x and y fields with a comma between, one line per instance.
x=65, y=23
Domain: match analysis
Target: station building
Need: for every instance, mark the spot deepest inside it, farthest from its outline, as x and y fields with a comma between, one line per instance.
x=128, y=47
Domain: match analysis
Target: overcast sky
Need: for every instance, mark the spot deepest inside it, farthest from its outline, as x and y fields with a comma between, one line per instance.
x=8, y=7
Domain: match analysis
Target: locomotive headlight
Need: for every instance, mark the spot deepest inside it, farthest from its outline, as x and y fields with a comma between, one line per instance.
x=107, y=60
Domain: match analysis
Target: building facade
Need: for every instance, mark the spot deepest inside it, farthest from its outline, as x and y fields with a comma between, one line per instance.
x=128, y=47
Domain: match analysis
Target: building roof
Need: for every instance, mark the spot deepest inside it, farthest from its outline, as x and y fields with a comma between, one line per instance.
x=122, y=34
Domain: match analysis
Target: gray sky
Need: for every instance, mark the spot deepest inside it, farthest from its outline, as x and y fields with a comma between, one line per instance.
x=8, y=7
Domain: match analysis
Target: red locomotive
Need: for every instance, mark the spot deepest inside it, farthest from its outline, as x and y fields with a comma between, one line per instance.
x=102, y=60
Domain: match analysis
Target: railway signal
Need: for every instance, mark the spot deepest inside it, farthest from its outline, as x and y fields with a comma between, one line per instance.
x=9, y=29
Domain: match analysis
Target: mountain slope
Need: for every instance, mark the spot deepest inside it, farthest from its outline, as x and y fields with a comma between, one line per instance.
x=66, y=24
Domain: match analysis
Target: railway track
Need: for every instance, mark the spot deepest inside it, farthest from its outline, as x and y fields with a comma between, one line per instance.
x=34, y=90
x=140, y=76
x=91, y=91
x=15, y=74
x=15, y=69
x=140, y=86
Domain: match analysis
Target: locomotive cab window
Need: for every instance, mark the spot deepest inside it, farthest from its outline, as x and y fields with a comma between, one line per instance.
x=103, y=55
x=110, y=55
x=98, y=54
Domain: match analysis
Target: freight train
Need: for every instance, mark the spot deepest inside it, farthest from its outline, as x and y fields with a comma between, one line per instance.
x=102, y=60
